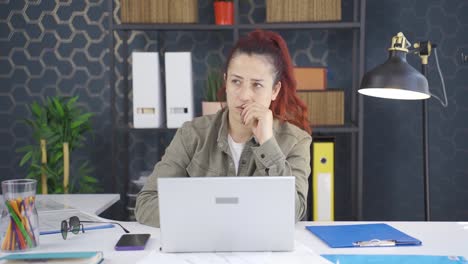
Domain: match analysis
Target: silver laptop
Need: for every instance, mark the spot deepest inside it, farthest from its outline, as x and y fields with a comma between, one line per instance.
x=213, y=214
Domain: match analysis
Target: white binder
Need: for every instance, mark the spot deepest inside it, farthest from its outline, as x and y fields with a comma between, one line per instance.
x=147, y=99
x=179, y=88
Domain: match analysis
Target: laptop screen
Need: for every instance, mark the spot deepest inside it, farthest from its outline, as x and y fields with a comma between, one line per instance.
x=212, y=214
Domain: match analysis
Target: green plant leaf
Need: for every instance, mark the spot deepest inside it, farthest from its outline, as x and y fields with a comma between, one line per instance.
x=72, y=102
x=24, y=149
x=36, y=109
x=47, y=170
x=213, y=84
x=58, y=189
x=58, y=107
x=25, y=158
x=56, y=157
x=33, y=124
x=32, y=175
x=89, y=179
x=81, y=120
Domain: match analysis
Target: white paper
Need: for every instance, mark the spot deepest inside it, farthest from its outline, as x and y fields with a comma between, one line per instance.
x=301, y=255
x=50, y=221
x=47, y=205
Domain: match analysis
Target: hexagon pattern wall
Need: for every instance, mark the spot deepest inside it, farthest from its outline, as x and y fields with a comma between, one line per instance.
x=53, y=48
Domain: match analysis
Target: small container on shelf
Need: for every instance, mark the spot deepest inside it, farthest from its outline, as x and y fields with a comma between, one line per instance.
x=223, y=12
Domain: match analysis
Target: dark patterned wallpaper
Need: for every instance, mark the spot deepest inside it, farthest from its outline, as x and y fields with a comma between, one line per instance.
x=392, y=146
x=52, y=48
x=61, y=47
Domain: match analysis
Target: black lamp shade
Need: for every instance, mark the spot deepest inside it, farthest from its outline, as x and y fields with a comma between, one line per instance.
x=395, y=79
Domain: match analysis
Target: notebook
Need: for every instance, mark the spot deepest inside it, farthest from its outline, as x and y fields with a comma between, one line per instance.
x=362, y=235
x=85, y=257
x=212, y=214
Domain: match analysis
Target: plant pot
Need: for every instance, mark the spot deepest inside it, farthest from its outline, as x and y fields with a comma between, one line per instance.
x=209, y=108
x=224, y=12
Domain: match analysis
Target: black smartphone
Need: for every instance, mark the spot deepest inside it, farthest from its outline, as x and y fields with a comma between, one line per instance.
x=132, y=242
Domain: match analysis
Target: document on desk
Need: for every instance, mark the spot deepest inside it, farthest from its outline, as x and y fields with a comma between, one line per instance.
x=47, y=205
x=395, y=259
x=362, y=235
x=50, y=222
x=301, y=255
x=51, y=214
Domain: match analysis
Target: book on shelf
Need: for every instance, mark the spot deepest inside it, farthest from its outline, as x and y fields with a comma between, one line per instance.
x=78, y=257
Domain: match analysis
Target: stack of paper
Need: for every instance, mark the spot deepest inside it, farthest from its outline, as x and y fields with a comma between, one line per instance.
x=51, y=214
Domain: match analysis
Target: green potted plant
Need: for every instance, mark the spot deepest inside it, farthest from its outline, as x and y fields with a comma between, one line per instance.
x=58, y=128
x=223, y=12
x=214, y=82
x=37, y=153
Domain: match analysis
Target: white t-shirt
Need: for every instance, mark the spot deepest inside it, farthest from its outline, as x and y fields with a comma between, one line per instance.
x=236, y=151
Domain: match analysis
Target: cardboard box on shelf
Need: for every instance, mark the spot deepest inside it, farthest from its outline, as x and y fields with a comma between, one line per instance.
x=159, y=11
x=325, y=107
x=311, y=78
x=303, y=10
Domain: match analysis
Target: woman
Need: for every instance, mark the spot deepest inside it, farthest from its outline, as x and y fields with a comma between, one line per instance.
x=263, y=131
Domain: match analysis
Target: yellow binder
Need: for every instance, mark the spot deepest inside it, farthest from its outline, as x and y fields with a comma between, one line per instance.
x=323, y=179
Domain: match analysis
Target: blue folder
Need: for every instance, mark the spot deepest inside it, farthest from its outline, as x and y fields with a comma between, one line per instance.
x=395, y=259
x=362, y=235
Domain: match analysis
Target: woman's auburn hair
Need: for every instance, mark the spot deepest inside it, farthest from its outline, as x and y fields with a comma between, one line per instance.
x=287, y=106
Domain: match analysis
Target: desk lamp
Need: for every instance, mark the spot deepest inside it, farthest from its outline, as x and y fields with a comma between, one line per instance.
x=397, y=79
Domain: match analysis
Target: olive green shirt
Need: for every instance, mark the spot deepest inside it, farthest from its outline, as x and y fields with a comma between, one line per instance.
x=200, y=148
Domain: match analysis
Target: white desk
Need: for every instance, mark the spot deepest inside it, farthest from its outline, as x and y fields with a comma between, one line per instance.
x=439, y=238
x=90, y=203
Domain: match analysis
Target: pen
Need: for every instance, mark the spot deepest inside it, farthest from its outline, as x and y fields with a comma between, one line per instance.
x=375, y=243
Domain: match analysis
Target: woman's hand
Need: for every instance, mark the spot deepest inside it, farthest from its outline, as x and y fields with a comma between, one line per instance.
x=258, y=118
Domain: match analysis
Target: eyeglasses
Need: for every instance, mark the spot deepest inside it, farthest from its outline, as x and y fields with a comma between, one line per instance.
x=73, y=224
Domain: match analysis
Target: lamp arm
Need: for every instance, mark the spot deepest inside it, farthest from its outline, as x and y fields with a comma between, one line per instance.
x=423, y=49
x=445, y=102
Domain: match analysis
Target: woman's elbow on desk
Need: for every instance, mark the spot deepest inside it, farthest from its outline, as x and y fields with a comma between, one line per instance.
x=147, y=208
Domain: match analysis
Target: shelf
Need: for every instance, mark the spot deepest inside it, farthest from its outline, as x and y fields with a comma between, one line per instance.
x=308, y=25
x=348, y=128
x=178, y=27
x=182, y=27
